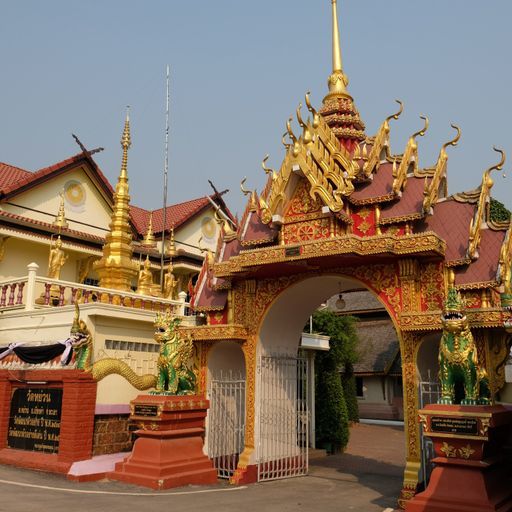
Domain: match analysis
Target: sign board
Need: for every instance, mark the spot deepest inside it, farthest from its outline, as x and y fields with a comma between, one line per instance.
x=34, y=420
x=454, y=425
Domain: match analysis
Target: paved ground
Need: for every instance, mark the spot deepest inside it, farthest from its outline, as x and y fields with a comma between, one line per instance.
x=349, y=482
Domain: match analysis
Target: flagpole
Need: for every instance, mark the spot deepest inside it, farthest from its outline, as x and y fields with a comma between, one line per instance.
x=166, y=170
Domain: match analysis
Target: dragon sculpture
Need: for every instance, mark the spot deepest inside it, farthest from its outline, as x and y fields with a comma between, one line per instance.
x=104, y=367
x=176, y=371
x=462, y=379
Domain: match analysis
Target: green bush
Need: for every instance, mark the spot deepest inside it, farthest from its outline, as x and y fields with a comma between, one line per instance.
x=335, y=396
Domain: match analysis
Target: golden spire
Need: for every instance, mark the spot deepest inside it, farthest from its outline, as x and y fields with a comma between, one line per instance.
x=116, y=268
x=60, y=220
x=338, y=110
x=172, y=245
x=149, y=239
x=337, y=81
x=126, y=142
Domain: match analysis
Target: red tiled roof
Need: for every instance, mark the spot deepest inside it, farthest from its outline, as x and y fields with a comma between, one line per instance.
x=450, y=221
x=255, y=232
x=29, y=179
x=484, y=268
x=9, y=175
x=409, y=204
x=49, y=227
x=380, y=186
x=175, y=215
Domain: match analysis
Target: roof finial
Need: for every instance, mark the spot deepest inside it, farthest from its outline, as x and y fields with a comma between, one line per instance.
x=60, y=220
x=149, y=239
x=338, y=81
x=126, y=142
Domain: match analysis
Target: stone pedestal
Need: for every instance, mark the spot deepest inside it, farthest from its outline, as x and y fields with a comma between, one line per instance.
x=473, y=470
x=169, y=449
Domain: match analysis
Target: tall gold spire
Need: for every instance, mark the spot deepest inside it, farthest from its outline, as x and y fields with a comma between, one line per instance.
x=338, y=108
x=338, y=81
x=115, y=268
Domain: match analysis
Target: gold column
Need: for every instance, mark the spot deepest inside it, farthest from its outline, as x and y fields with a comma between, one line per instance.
x=116, y=269
x=409, y=343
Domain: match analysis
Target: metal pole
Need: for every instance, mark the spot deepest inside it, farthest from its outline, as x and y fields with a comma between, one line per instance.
x=166, y=169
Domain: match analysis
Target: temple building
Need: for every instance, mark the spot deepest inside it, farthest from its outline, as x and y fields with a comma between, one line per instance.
x=73, y=200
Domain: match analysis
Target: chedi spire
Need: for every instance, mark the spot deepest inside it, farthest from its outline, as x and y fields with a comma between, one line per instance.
x=338, y=108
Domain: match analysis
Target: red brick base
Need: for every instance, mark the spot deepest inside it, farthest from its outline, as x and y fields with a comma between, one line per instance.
x=76, y=424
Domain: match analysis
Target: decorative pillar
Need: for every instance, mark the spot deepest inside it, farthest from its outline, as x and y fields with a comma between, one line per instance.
x=409, y=343
x=31, y=286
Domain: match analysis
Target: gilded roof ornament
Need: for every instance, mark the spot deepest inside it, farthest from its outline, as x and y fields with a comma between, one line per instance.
x=60, y=220
x=380, y=143
x=307, y=137
x=316, y=116
x=171, y=251
x=268, y=170
x=431, y=191
x=253, y=201
x=479, y=219
x=149, y=238
x=410, y=156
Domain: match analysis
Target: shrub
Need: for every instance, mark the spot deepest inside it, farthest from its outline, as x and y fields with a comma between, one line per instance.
x=335, y=396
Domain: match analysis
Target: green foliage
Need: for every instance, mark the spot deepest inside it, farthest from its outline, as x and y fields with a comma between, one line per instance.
x=498, y=211
x=336, y=401
x=348, y=382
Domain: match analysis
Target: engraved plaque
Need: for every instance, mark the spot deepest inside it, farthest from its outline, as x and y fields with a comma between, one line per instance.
x=145, y=410
x=454, y=425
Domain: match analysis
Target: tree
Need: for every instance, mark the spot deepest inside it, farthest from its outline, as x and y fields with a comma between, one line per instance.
x=332, y=411
x=498, y=211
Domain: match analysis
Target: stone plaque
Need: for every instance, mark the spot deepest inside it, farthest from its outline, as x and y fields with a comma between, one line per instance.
x=145, y=410
x=34, y=421
x=454, y=425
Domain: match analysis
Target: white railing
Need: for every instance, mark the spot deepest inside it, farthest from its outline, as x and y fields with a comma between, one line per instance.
x=32, y=292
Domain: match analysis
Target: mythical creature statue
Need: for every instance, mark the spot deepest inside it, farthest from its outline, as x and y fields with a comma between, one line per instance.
x=104, y=367
x=176, y=375
x=462, y=379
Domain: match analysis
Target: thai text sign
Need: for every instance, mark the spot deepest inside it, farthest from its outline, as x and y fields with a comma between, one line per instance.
x=34, y=422
x=454, y=425
x=145, y=410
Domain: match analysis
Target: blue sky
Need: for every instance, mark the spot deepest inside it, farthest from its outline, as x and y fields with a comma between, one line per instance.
x=239, y=68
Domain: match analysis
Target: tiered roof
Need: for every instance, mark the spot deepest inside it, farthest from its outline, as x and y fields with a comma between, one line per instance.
x=356, y=177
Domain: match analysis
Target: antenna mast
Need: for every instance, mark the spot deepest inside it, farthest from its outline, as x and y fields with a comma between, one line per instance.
x=166, y=169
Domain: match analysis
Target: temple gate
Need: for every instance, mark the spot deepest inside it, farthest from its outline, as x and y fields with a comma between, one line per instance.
x=343, y=209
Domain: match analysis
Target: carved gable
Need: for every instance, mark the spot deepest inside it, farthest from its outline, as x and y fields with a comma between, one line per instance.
x=303, y=218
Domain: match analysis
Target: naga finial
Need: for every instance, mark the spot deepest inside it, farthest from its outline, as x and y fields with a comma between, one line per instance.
x=301, y=122
x=314, y=113
x=456, y=139
x=283, y=140
x=421, y=132
x=290, y=131
x=398, y=114
x=245, y=192
x=268, y=170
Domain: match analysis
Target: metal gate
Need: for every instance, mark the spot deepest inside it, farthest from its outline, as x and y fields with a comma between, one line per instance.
x=429, y=394
x=283, y=417
x=226, y=421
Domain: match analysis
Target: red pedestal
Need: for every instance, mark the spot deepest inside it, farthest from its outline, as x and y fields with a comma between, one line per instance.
x=169, y=449
x=473, y=471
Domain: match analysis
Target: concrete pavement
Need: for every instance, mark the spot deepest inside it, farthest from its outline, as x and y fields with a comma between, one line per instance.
x=349, y=482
